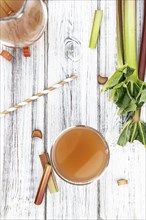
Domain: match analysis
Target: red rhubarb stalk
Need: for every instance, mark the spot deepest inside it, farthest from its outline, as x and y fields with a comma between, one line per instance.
x=142, y=58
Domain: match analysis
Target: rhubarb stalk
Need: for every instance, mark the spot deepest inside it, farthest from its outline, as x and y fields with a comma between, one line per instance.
x=142, y=58
x=119, y=20
x=95, y=28
x=52, y=184
x=130, y=35
x=43, y=185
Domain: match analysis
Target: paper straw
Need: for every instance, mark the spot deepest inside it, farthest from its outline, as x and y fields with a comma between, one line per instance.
x=38, y=95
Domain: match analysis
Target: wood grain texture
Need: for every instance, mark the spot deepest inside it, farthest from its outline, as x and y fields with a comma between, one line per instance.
x=79, y=102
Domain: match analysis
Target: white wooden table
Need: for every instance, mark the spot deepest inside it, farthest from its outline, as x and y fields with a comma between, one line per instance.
x=80, y=102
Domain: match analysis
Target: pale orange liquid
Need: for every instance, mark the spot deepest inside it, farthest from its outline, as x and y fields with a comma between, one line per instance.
x=80, y=155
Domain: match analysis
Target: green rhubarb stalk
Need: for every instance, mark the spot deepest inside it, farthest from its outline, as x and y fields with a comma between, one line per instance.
x=130, y=48
x=130, y=36
x=95, y=28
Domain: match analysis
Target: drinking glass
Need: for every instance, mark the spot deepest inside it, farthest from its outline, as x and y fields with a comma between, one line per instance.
x=80, y=155
x=22, y=22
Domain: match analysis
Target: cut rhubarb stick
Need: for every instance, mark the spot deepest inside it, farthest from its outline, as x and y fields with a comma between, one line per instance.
x=26, y=51
x=95, y=28
x=43, y=185
x=102, y=79
x=122, y=182
x=37, y=133
x=52, y=184
x=6, y=55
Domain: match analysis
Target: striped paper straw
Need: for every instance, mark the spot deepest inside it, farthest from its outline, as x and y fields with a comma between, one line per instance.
x=38, y=95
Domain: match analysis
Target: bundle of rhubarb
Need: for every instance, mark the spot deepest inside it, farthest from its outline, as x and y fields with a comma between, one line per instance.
x=126, y=85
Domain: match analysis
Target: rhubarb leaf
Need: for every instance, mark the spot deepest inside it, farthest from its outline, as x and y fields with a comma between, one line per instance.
x=115, y=79
x=142, y=133
x=128, y=71
x=125, y=134
x=131, y=106
x=127, y=93
x=133, y=131
x=119, y=76
x=143, y=96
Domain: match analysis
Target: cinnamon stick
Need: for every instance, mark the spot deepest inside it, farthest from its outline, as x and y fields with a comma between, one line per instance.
x=52, y=184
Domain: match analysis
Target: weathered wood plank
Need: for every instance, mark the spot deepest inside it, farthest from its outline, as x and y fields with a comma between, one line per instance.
x=74, y=104
x=20, y=165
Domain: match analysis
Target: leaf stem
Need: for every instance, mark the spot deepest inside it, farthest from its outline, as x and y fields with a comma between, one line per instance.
x=136, y=116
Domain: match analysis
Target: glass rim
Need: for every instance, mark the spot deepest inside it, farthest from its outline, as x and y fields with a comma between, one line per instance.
x=18, y=14
x=96, y=178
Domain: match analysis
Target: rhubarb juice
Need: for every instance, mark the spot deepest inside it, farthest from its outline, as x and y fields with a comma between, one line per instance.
x=80, y=155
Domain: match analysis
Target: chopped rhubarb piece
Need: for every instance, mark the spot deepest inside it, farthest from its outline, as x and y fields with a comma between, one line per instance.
x=6, y=55
x=26, y=51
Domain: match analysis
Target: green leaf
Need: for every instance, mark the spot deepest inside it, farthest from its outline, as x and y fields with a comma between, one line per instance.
x=123, y=101
x=140, y=87
x=137, y=89
x=125, y=134
x=129, y=95
x=119, y=94
x=115, y=79
x=133, y=131
x=132, y=107
x=128, y=71
x=142, y=133
x=143, y=96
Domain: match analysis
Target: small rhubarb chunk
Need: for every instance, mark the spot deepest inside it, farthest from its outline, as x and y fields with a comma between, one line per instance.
x=37, y=133
x=26, y=51
x=122, y=182
x=6, y=55
x=102, y=79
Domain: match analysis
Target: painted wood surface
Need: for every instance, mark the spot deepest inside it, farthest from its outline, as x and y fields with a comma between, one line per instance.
x=80, y=102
